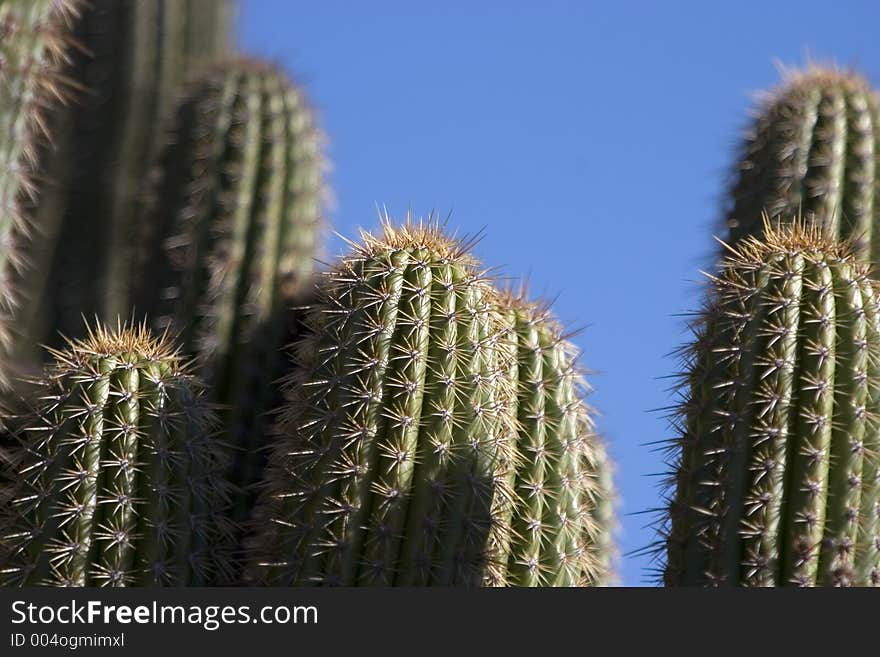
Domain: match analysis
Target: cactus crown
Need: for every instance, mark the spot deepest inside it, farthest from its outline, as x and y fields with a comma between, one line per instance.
x=118, y=480
x=777, y=472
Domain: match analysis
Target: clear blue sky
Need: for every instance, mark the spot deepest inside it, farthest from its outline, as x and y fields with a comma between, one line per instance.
x=591, y=140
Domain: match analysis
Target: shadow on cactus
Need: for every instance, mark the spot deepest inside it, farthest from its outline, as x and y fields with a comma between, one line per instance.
x=118, y=480
x=777, y=462
x=398, y=458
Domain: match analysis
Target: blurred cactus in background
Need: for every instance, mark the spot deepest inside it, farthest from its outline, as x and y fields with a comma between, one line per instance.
x=228, y=242
x=35, y=45
x=129, y=58
x=813, y=149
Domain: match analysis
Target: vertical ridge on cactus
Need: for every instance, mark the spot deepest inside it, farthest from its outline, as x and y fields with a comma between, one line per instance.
x=778, y=470
x=229, y=241
x=432, y=433
x=133, y=55
x=813, y=149
x=33, y=49
x=118, y=481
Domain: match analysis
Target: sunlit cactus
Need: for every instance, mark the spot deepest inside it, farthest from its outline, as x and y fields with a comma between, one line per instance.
x=34, y=44
x=432, y=433
x=229, y=240
x=813, y=148
x=560, y=537
x=118, y=480
x=778, y=454
x=130, y=58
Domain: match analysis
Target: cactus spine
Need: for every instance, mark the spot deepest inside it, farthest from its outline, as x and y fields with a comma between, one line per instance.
x=397, y=460
x=779, y=452
x=134, y=54
x=813, y=149
x=33, y=44
x=119, y=479
x=231, y=234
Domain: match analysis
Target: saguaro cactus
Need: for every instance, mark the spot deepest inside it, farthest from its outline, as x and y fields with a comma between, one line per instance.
x=814, y=148
x=406, y=454
x=33, y=45
x=133, y=55
x=229, y=240
x=119, y=481
x=779, y=452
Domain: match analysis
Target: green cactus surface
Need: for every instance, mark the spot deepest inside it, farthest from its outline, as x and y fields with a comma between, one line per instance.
x=397, y=459
x=559, y=540
x=778, y=469
x=132, y=56
x=230, y=235
x=813, y=149
x=34, y=40
x=119, y=480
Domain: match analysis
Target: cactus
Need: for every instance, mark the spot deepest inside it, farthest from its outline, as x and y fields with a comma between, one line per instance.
x=119, y=479
x=778, y=475
x=33, y=44
x=133, y=55
x=814, y=149
x=405, y=454
x=229, y=237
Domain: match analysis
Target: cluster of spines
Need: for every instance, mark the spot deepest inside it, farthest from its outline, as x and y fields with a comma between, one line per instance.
x=118, y=480
x=34, y=43
x=130, y=60
x=813, y=149
x=778, y=458
x=554, y=536
x=230, y=237
x=393, y=462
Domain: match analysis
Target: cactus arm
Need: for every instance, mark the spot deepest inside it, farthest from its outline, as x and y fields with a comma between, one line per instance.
x=118, y=485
